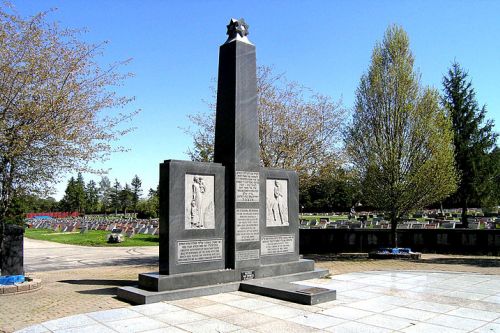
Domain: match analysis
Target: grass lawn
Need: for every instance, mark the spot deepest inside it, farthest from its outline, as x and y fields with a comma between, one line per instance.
x=91, y=238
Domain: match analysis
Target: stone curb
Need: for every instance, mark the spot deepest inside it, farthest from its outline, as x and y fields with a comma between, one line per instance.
x=20, y=288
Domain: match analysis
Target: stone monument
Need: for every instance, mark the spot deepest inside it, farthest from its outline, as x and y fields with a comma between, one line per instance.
x=229, y=221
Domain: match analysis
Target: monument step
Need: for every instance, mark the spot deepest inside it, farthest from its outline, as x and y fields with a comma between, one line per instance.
x=136, y=295
x=288, y=291
x=160, y=282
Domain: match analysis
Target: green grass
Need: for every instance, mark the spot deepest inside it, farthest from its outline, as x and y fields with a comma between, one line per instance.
x=91, y=238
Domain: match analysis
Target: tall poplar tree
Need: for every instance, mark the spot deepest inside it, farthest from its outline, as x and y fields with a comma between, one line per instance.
x=473, y=138
x=400, y=142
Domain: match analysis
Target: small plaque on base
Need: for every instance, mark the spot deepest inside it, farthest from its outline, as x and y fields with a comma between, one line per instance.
x=247, y=275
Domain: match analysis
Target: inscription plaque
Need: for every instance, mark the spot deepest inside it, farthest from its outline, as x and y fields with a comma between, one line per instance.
x=277, y=244
x=247, y=255
x=247, y=275
x=247, y=225
x=199, y=250
x=247, y=186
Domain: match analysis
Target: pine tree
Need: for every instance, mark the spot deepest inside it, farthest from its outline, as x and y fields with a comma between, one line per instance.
x=126, y=198
x=473, y=138
x=91, y=196
x=80, y=197
x=115, y=196
x=68, y=201
x=136, y=191
x=74, y=197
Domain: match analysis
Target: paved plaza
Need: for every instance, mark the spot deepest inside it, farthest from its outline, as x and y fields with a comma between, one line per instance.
x=438, y=293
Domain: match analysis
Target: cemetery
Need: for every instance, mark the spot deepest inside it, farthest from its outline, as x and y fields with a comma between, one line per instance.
x=235, y=251
x=128, y=227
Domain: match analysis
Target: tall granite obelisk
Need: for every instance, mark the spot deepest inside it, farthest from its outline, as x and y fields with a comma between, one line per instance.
x=230, y=220
x=237, y=145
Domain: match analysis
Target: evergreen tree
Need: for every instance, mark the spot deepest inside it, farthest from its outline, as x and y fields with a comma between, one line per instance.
x=126, y=198
x=473, y=138
x=400, y=141
x=68, y=202
x=136, y=191
x=80, y=197
x=92, y=196
x=74, y=196
x=115, y=196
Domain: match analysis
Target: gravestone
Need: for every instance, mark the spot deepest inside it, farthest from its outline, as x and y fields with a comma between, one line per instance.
x=227, y=222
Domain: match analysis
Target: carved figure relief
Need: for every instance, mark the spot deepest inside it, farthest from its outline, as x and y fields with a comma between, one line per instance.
x=276, y=202
x=199, y=202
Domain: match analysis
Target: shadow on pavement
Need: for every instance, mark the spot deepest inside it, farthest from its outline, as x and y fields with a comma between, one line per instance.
x=338, y=257
x=102, y=291
x=84, y=263
x=136, y=261
x=487, y=262
x=363, y=257
x=100, y=282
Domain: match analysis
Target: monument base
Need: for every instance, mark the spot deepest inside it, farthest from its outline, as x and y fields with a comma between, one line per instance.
x=154, y=287
x=287, y=291
x=161, y=282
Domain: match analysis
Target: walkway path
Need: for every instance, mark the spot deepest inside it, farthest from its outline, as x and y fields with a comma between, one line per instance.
x=48, y=256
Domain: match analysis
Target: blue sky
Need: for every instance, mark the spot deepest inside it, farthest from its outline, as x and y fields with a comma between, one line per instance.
x=324, y=45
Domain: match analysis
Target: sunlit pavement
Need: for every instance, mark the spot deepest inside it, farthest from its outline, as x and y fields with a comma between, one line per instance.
x=372, y=301
x=40, y=256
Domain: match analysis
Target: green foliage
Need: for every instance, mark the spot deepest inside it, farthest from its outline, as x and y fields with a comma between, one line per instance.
x=149, y=208
x=136, y=191
x=400, y=141
x=333, y=191
x=474, y=142
x=126, y=197
x=105, y=193
x=74, y=195
x=90, y=238
x=91, y=197
x=114, y=196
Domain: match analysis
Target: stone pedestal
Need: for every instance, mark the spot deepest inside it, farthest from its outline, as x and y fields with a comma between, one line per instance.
x=12, y=256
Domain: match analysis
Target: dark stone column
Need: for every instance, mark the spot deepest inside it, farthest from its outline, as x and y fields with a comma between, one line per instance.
x=237, y=142
x=12, y=260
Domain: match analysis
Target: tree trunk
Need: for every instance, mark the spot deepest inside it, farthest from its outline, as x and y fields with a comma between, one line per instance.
x=465, y=223
x=394, y=234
